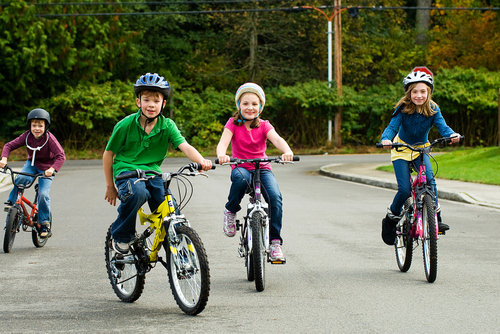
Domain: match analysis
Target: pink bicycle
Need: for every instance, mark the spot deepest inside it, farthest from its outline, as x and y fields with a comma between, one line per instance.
x=419, y=221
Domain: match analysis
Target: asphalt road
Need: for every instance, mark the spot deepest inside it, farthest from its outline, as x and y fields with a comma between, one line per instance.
x=339, y=277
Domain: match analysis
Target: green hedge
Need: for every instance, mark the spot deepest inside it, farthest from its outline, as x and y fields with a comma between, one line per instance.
x=84, y=116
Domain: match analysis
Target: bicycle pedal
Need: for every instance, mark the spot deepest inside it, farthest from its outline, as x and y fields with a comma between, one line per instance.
x=237, y=224
x=278, y=262
x=441, y=233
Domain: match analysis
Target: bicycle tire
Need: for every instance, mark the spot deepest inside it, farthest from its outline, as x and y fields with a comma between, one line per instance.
x=191, y=284
x=429, y=242
x=10, y=229
x=258, y=252
x=37, y=241
x=124, y=278
x=248, y=257
x=404, y=241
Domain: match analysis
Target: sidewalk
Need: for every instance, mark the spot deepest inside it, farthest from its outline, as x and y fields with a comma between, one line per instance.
x=466, y=192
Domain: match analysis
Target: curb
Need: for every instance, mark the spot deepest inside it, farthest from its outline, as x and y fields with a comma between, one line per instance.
x=376, y=182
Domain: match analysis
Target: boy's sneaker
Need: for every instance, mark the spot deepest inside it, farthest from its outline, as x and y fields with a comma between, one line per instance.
x=276, y=253
x=229, y=227
x=8, y=205
x=120, y=247
x=44, y=230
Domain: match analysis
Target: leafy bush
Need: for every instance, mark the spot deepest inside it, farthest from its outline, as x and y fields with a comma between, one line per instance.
x=84, y=116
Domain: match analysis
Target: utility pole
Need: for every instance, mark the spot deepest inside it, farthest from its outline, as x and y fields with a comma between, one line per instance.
x=338, y=62
x=338, y=71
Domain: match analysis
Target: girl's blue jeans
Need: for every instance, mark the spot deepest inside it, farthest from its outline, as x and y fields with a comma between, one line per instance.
x=402, y=171
x=241, y=178
x=132, y=197
x=43, y=190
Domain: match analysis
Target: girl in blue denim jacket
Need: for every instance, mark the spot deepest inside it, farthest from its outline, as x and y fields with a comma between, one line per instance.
x=411, y=122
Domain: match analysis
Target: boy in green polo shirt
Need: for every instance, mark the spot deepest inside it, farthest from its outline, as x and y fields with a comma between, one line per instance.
x=140, y=141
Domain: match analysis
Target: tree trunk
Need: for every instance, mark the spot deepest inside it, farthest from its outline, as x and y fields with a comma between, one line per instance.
x=252, y=63
x=423, y=22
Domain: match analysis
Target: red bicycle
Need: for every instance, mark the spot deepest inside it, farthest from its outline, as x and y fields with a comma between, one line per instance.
x=419, y=221
x=23, y=214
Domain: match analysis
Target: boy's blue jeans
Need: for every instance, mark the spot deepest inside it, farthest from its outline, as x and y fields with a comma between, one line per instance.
x=402, y=171
x=132, y=197
x=43, y=190
x=271, y=192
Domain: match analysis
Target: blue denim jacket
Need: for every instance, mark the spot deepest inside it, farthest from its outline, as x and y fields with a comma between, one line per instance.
x=415, y=128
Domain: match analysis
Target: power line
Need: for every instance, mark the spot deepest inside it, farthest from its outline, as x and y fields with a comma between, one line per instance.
x=291, y=9
x=142, y=3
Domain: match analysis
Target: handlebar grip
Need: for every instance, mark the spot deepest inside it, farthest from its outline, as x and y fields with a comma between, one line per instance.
x=379, y=145
x=296, y=158
x=198, y=166
x=126, y=175
x=217, y=161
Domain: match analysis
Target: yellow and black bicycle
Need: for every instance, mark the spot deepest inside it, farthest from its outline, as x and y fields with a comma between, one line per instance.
x=186, y=258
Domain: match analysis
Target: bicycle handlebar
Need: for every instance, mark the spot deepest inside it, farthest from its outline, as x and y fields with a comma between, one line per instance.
x=435, y=142
x=193, y=167
x=34, y=176
x=237, y=161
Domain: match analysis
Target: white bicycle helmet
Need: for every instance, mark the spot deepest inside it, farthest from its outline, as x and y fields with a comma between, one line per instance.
x=250, y=87
x=418, y=76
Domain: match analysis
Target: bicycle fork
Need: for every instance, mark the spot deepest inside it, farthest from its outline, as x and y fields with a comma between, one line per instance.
x=261, y=209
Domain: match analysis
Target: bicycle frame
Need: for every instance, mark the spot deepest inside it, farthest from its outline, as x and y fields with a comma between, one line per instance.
x=256, y=205
x=419, y=189
x=22, y=202
x=164, y=215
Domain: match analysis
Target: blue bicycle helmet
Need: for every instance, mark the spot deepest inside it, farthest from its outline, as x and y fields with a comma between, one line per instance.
x=152, y=82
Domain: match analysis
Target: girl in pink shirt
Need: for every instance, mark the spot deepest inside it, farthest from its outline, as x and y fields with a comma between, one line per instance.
x=248, y=134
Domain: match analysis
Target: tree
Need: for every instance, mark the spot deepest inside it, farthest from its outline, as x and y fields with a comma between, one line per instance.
x=470, y=39
x=423, y=23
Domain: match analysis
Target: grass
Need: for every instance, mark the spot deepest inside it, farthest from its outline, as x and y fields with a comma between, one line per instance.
x=479, y=165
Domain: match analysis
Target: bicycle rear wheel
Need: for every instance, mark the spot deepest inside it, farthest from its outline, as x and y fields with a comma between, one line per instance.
x=188, y=271
x=429, y=242
x=404, y=241
x=258, y=252
x=124, y=278
x=37, y=241
x=10, y=229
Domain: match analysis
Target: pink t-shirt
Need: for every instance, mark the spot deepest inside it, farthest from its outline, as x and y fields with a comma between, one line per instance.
x=249, y=144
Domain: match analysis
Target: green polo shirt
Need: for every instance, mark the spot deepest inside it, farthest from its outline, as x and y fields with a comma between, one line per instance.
x=135, y=149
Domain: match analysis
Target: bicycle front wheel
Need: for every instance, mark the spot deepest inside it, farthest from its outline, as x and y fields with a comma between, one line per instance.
x=404, y=241
x=10, y=229
x=188, y=271
x=248, y=257
x=258, y=252
x=37, y=241
x=429, y=239
x=124, y=278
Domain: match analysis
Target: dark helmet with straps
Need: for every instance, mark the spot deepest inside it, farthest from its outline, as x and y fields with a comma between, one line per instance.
x=152, y=82
x=39, y=113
